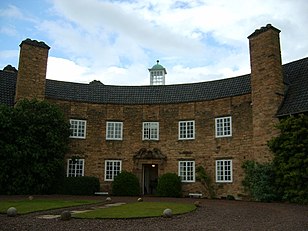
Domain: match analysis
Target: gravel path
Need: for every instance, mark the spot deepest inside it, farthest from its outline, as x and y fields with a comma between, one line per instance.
x=212, y=215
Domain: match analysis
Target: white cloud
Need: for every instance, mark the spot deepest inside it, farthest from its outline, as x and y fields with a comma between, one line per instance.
x=8, y=57
x=66, y=70
x=196, y=40
x=12, y=12
x=8, y=30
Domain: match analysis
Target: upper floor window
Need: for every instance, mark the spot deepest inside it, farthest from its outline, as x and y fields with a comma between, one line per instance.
x=114, y=130
x=75, y=167
x=150, y=131
x=223, y=126
x=186, y=130
x=224, y=171
x=112, y=169
x=78, y=128
x=187, y=171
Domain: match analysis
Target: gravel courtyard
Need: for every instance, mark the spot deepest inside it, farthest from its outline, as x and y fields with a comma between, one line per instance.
x=212, y=215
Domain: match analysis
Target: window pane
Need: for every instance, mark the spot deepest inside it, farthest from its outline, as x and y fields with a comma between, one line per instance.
x=187, y=171
x=114, y=130
x=78, y=128
x=224, y=170
x=223, y=126
x=75, y=167
x=112, y=169
x=186, y=130
x=150, y=130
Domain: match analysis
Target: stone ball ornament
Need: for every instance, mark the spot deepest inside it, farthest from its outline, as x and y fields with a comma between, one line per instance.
x=167, y=213
x=12, y=212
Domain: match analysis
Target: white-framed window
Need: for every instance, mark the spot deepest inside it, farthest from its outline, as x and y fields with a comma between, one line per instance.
x=187, y=170
x=112, y=169
x=78, y=128
x=224, y=171
x=75, y=167
x=223, y=126
x=114, y=130
x=150, y=131
x=186, y=130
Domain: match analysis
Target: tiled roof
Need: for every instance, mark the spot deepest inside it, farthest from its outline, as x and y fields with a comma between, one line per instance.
x=96, y=92
x=296, y=78
x=7, y=87
x=295, y=75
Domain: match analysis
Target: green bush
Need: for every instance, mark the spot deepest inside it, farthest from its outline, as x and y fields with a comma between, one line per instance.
x=126, y=184
x=169, y=185
x=84, y=185
x=259, y=181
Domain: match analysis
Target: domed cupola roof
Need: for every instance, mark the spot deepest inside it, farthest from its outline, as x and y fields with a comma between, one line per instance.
x=157, y=66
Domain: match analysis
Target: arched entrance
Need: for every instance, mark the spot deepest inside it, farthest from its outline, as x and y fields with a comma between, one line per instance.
x=148, y=166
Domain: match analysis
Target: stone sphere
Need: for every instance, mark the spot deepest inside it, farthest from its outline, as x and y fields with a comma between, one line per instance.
x=66, y=215
x=167, y=213
x=197, y=203
x=140, y=199
x=108, y=199
x=30, y=198
x=12, y=212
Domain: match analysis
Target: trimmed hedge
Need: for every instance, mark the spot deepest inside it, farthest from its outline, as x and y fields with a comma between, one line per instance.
x=169, y=185
x=126, y=184
x=84, y=185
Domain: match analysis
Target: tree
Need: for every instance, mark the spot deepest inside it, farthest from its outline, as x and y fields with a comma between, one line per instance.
x=290, y=162
x=33, y=141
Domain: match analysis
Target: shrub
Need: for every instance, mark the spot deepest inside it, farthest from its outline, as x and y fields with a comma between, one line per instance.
x=169, y=185
x=125, y=184
x=205, y=180
x=84, y=185
x=259, y=181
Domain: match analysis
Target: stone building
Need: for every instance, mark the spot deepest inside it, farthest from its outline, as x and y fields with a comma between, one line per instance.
x=155, y=129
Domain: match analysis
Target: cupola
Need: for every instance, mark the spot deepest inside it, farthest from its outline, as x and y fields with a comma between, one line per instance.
x=157, y=74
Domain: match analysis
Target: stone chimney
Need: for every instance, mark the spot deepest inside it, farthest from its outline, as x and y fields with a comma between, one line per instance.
x=266, y=86
x=32, y=69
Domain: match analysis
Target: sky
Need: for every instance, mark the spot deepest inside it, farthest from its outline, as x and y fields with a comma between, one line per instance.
x=117, y=41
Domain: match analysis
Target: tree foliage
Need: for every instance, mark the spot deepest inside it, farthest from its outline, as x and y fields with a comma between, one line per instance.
x=33, y=141
x=290, y=150
x=259, y=181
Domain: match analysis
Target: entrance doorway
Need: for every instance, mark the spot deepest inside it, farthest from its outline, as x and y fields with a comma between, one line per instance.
x=150, y=178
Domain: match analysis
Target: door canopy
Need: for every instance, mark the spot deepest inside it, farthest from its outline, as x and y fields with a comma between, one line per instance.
x=145, y=153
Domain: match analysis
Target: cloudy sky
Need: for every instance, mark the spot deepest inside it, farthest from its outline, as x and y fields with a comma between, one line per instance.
x=116, y=41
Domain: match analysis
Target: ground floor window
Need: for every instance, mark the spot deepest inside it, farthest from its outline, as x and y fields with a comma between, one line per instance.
x=224, y=171
x=187, y=171
x=112, y=169
x=75, y=167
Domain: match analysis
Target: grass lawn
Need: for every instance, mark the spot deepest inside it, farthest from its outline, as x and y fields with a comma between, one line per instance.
x=138, y=210
x=28, y=206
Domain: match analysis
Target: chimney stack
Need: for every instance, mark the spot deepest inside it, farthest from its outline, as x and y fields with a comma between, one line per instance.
x=266, y=86
x=32, y=69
